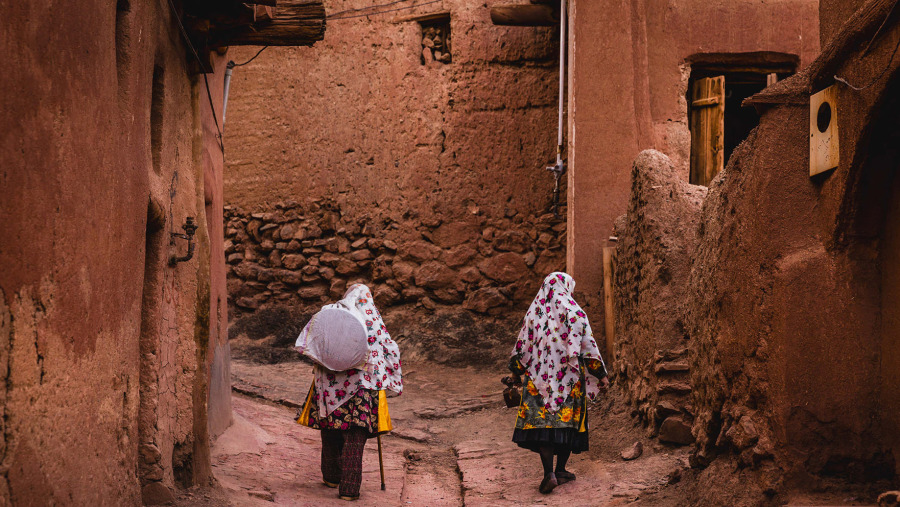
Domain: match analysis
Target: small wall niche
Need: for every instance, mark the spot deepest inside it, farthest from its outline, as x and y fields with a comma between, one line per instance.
x=437, y=43
x=157, y=103
x=123, y=8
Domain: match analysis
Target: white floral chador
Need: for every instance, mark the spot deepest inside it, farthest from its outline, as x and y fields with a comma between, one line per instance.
x=382, y=369
x=555, y=333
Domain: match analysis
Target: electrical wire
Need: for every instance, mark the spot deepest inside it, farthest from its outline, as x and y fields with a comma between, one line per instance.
x=371, y=7
x=384, y=11
x=876, y=78
x=187, y=40
x=866, y=52
x=231, y=64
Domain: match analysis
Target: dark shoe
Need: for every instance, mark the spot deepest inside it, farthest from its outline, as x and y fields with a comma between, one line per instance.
x=330, y=484
x=548, y=484
x=348, y=498
x=564, y=476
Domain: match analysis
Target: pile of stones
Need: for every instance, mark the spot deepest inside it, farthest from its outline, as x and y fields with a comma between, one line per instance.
x=436, y=45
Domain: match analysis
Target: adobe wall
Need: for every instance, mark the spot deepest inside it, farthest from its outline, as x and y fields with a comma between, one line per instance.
x=86, y=401
x=657, y=238
x=791, y=304
x=628, y=94
x=444, y=160
x=361, y=118
x=833, y=14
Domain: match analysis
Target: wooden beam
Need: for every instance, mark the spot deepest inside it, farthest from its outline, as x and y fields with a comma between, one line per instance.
x=524, y=15
x=609, y=303
x=292, y=23
x=423, y=18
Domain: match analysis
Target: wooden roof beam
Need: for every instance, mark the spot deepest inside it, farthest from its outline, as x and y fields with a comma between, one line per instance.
x=288, y=23
x=525, y=15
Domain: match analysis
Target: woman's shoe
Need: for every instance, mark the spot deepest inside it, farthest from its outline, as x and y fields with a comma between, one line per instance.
x=564, y=477
x=330, y=484
x=348, y=498
x=548, y=484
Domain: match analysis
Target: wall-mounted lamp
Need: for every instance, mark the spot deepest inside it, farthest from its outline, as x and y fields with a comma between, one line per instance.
x=189, y=229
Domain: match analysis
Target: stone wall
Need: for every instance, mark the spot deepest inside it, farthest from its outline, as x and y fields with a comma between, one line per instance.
x=302, y=256
x=656, y=244
x=404, y=154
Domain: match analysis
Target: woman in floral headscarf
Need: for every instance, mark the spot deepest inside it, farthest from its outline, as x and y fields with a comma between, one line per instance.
x=350, y=407
x=555, y=350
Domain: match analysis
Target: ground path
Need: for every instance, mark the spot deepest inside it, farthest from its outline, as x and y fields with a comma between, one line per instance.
x=451, y=446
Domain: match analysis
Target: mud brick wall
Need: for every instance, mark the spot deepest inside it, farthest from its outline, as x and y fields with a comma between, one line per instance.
x=656, y=242
x=105, y=348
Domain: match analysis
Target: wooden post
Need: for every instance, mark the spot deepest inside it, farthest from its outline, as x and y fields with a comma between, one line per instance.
x=609, y=308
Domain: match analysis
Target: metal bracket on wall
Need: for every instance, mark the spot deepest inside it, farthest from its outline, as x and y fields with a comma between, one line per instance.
x=189, y=228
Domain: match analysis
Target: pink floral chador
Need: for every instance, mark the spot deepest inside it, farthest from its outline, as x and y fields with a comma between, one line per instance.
x=555, y=335
x=382, y=369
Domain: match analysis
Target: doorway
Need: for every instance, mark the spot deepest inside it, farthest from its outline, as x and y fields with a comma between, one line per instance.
x=717, y=88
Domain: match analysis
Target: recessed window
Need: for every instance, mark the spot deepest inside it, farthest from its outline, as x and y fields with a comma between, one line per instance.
x=718, y=121
x=437, y=44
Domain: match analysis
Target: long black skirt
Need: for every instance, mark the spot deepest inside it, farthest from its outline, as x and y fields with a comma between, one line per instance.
x=562, y=439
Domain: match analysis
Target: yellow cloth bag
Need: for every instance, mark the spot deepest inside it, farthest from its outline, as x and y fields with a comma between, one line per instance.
x=384, y=416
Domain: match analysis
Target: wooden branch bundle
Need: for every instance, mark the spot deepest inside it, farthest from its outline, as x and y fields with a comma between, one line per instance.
x=292, y=23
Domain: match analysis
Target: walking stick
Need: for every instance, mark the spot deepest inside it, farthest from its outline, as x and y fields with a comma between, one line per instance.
x=381, y=462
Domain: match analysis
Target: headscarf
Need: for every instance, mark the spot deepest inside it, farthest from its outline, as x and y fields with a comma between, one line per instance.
x=382, y=369
x=555, y=333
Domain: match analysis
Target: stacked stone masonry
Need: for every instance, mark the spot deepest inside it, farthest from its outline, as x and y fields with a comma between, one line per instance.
x=656, y=243
x=303, y=256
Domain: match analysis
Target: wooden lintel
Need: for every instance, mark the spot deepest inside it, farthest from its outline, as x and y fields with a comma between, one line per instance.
x=524, y=15
x=424, y=18
x=292, y=23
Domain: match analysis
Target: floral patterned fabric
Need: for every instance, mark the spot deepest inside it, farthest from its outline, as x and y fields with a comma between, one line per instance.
x=383, y=368
x=359, y=411
x=555, y=334
x=533, y=413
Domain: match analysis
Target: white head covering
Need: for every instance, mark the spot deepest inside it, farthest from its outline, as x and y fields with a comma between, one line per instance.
x=555, y=333
x=382, y=368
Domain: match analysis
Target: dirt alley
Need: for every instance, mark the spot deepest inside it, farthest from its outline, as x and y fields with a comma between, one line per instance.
x=450, y=447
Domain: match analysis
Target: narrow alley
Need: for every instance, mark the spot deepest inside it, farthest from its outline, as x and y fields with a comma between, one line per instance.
x=589, y=253
x=450, y=447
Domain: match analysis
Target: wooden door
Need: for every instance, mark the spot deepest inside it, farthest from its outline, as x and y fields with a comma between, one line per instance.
x=707, y=129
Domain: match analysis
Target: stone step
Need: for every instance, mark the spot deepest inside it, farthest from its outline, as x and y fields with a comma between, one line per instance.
x=673, y=388
x=672, y=367
x=669, y=354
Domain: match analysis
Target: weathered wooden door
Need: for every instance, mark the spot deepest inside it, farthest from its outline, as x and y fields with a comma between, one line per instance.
x=707, y=129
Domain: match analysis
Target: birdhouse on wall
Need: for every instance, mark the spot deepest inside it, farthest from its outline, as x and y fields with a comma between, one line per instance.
x=824, y=153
